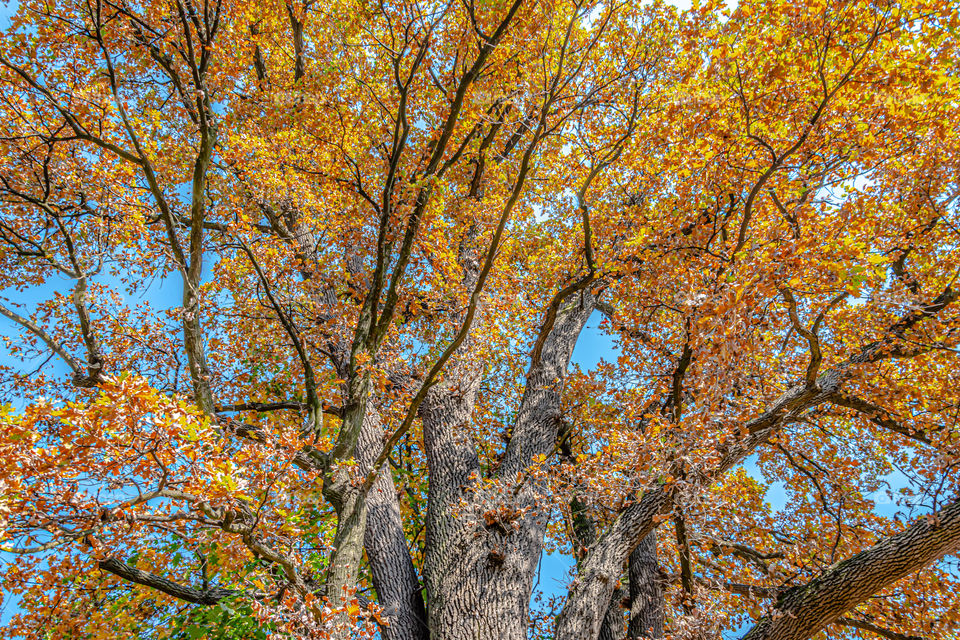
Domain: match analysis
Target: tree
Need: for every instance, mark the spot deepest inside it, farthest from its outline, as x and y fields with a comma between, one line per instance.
x=390, y=223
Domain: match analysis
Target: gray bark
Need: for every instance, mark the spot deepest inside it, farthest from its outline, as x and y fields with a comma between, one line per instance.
x=394, y=576
x=484, y=547
x=584, y=534
x=591, y=591
x=646, y=590
x=344, y=563
x=452, y=462
x=803, y=611
x=614, y=625
x=535, y=431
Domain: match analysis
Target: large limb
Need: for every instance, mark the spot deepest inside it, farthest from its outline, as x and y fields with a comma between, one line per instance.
x=803, y=611
x=453, y=466
x=535, y=432
x=589, y=593
x=583, y=533
x=582, y=612
x=206, y=596
x=395, y=578
x=452, y=462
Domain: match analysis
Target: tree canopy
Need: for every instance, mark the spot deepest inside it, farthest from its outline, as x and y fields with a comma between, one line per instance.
x=390, y=221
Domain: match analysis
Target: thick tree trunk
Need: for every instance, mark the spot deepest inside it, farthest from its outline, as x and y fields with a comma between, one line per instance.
x=483, y=547
x=394, y=576
x=342, y=489
x=453, y=464
x=485, y=593
x=646, y=591
x=589, y=593
x=468, y=596
x=348, y=550
x=614, y=625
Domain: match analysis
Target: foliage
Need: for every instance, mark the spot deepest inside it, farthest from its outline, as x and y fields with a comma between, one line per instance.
x=390, y=222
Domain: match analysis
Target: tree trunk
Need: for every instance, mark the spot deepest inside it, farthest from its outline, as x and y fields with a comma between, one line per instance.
x=614, y=626
x=348, y=550
x=646, y=591
x=484, y=546
x=394, y=576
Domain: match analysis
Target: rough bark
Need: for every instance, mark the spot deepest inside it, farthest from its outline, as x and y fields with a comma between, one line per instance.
x=452, y=463
x=591, y=590
x=394, y=576
x=454, y=588
x=803, y=611
x=614, y=626
x=583, y=610
x=484, y=547
x=646, y=591
x=535, y=431
x=344, y=564
x=583, y=534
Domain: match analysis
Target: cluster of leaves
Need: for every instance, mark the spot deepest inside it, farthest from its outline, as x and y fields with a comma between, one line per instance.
x=756, y=195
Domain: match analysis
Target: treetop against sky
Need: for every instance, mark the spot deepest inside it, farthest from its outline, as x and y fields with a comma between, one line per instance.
x=292, y=292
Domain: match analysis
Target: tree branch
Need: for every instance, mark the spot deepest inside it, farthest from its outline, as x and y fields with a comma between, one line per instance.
x=879, y=416
x=863, y=625
x=805, y=610
x=207, y=597
x=581, y=614
x=47, y=339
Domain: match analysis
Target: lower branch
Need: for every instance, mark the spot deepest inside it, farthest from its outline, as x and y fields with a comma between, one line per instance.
x=863, y=625
x=803, y=611
x=206, y=597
